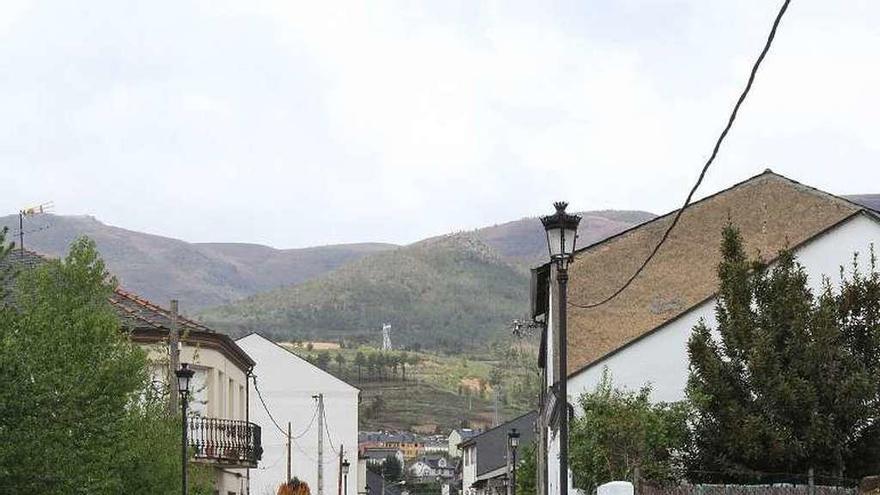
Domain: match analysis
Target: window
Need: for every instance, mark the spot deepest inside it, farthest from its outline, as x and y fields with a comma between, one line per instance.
x=221, y=394
x=198, y=403
x=242, y=403
x=230, y=401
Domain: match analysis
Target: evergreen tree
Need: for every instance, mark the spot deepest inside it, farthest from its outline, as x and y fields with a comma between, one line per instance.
x=392, y=469
x=340, y=362
x=360, y=361
x=323, y=359
x=791, y=382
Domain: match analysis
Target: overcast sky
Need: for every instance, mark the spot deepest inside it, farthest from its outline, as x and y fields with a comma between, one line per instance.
x=302, y=123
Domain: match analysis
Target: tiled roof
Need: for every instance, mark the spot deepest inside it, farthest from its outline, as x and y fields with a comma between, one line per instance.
x=137, y=312
x=146, y=320
x=771, y=211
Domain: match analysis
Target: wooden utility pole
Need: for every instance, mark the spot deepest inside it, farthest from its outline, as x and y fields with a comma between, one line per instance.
x=174, y=357
x=289, y=441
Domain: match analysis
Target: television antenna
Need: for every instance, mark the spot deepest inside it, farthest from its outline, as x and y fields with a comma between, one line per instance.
x=31, y=211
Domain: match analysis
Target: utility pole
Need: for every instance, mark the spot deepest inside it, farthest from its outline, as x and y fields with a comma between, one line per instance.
x=339, y=478
x=320, y=399
x=288, y=453
x=174, y=355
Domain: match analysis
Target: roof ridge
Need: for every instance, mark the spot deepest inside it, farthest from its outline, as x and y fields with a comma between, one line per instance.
x=767, y=173
x=146, y=303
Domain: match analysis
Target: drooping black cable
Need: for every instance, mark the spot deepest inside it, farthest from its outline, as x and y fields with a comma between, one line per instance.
x=687, y=201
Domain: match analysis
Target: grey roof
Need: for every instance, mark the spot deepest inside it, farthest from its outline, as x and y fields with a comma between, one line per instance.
x=492, y=444
x=380, y=452
x=374, y=485
x=466, y=433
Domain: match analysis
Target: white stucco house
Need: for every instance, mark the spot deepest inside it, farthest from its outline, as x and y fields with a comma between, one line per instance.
x=288, y=385
x=641, y=336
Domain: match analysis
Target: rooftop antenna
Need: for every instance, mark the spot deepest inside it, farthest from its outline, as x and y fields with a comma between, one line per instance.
x=30, y=212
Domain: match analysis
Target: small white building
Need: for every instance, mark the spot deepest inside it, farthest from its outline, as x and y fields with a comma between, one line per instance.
x=455, y=438
x=288, y=385
x=641, y=336
x=431, y=467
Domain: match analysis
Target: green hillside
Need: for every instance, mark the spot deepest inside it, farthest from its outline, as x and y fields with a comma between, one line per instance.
x=436, y=392
x=446, y=292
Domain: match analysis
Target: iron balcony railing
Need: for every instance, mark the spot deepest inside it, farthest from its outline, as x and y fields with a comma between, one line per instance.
x=225, y=441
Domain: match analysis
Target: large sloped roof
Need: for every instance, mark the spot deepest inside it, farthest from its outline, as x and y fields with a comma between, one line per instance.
x=771, y=211
x=492, y=443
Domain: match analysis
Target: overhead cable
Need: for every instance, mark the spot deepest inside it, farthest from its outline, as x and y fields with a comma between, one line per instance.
x=706, y=166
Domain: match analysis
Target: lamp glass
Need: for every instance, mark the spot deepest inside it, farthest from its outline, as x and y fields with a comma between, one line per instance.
x=184, y=375
x=561, y=229
x=554, y=242
x=569, y=238
x=513, y=439
x=345, y=467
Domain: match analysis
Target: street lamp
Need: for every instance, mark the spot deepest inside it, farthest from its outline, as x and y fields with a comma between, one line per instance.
x=184, y=376
x=512, y=445
x=561, y=239
x=345, y=467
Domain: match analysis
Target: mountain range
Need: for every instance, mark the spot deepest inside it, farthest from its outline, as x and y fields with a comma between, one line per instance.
x=465, y=284
x=448, y=292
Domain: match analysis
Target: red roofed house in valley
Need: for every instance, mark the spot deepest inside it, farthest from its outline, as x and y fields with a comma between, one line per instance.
x=641, y=335
x=220, y=434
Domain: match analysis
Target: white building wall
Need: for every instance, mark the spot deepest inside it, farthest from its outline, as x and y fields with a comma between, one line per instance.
x=214, y=376
x=287, y=383
x=661, y=357
x=468, y=469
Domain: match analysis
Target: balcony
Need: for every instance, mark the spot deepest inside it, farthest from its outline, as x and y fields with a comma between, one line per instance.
x=225, y=442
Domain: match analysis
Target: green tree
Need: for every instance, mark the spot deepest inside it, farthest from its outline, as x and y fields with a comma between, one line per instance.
x=323, y=360
x=404, y=360
x=621, y=431
x=793, y=380
x=527, y=471
x=77, y=412
x=392, y=469
x=360, y=361
x=373, y=364
x=340, y=362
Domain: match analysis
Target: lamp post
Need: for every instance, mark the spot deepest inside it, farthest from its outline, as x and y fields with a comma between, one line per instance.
x=345, y=467
x=561, y=229
x=184, y=375
x=512, y=445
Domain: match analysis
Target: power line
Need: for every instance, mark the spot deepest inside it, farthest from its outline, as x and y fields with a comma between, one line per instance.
x=271, y=418
x=326, y=428
x=711, y=159
x=282, y=430
x=266, y=408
